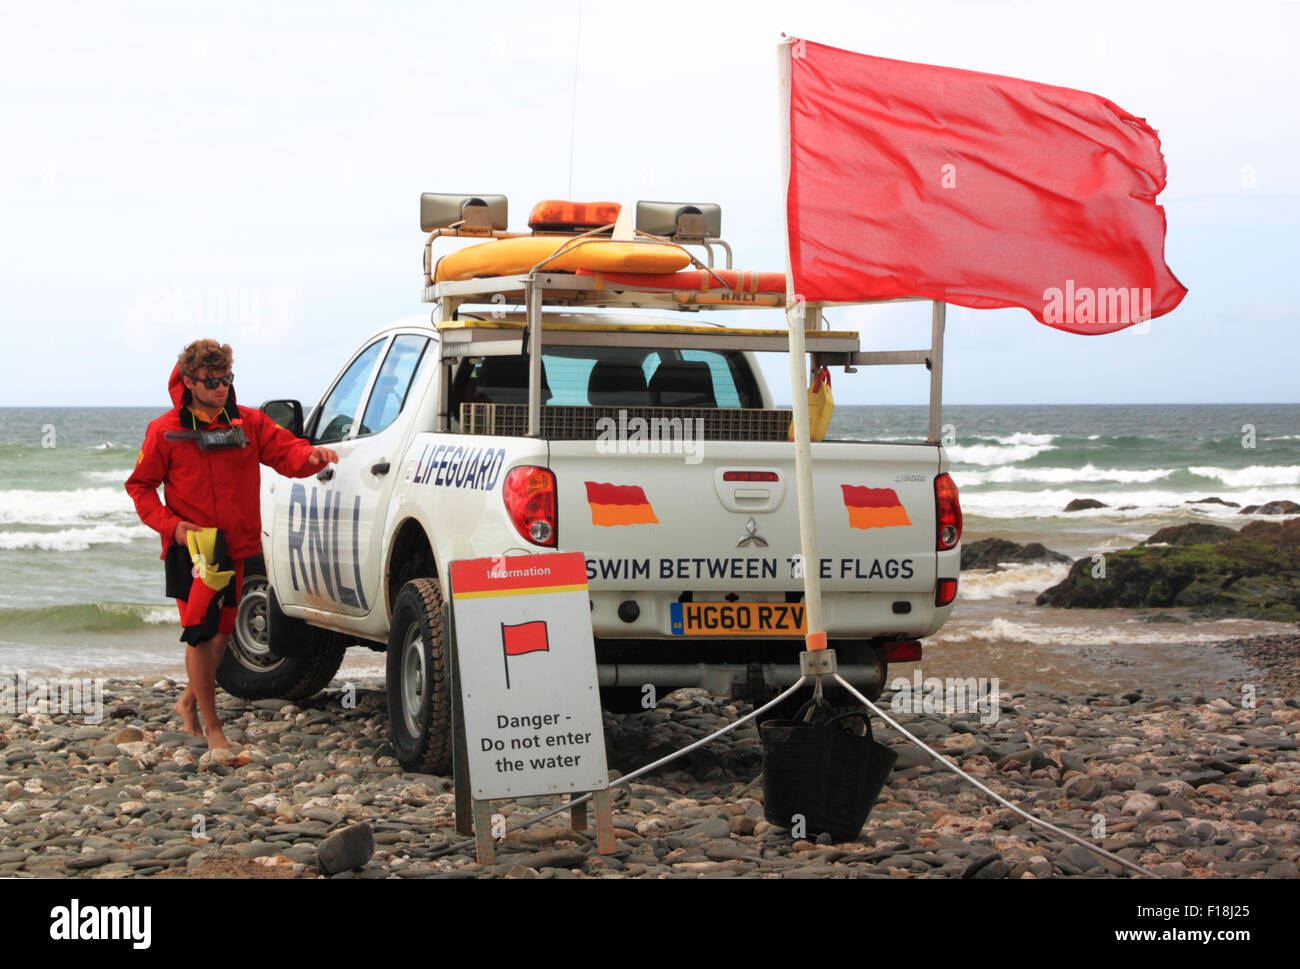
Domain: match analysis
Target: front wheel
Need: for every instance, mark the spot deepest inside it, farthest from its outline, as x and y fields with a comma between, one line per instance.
x=419, y=680
x=249, y=668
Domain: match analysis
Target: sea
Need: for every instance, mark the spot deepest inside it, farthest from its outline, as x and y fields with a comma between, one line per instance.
x=81, y=582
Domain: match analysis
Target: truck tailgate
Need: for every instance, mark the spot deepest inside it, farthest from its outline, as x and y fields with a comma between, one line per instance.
x=730, y=521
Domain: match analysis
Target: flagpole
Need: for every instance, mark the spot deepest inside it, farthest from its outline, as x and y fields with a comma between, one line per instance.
x=795, y=317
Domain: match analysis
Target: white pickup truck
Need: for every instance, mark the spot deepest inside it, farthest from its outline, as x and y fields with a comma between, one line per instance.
x=651, y=447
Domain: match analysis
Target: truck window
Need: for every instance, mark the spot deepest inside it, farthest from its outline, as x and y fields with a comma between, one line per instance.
x=615, y=377
x=340, y=407
x=393, y=382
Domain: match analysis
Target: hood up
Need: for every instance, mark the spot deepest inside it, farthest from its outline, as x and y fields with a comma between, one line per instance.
x=181, y=395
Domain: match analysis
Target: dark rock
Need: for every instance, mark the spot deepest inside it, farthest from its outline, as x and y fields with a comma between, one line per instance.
x=973, y=868
x=987, y=553
x=1080, y=857
x=1211, y=501
x=1272, y=508
x=347, y=849
x=1083, y=504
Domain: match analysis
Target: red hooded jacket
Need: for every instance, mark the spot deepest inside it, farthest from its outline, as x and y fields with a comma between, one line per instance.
x=216, y=488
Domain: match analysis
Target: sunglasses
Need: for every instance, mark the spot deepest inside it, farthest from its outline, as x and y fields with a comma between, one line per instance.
x=213, y=382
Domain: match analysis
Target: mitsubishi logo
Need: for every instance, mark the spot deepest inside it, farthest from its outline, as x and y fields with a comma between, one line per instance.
x=751, y=535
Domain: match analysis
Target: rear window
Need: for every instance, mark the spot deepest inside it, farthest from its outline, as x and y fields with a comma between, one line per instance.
x=618, y=377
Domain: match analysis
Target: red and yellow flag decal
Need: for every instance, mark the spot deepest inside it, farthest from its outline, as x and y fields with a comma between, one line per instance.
x=619, y=505
x=873, y=507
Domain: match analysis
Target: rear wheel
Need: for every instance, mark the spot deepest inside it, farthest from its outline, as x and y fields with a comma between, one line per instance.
x=419, y=680
x=251, y=670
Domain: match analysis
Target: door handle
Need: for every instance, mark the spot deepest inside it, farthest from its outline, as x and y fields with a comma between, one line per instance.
x=325, y=475
x=380, y=467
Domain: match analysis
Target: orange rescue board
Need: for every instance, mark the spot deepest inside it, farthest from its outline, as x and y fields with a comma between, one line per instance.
x=508, y=257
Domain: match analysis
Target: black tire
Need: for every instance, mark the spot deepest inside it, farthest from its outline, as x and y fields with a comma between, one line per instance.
x=251, y=671
x=419, y=680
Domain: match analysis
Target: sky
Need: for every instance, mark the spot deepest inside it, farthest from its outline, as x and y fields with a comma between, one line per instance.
x=270, y=156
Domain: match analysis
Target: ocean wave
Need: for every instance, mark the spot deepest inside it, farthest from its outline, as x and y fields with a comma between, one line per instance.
x=1255, y=476
x=1085, y=474
x=995, y=454
x=63, y=507
x=1051, y=502
x=89, y=617
x=1005, y=630
x=1012, y=580
x=74, y=539
x=118, y=476
x=1024, y=437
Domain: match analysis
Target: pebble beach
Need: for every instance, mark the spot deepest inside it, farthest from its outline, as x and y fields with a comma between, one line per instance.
x=1186, y=786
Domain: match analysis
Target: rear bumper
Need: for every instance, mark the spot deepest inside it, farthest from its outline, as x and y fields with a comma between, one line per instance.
x=722, y=678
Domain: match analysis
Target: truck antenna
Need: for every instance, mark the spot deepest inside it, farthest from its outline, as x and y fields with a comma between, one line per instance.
x=573, y=114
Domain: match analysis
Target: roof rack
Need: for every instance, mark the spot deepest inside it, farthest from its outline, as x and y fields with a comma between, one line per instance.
x=540, y=287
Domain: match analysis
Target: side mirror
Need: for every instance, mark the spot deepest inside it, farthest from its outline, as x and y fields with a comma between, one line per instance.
x=286, y=413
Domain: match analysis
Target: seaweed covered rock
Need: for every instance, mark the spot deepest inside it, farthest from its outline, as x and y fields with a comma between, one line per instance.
x=1255, y=574
x=988, y=552
x=1194, y=533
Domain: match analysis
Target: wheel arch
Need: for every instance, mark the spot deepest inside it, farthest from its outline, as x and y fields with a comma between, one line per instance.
x=410, y=556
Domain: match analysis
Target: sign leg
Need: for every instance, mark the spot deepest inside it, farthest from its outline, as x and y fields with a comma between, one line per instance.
x=483, y=844
x=578, y=814
x=605, y=841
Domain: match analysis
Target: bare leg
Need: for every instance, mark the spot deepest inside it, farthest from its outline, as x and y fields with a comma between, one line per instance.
x=187, y=706
x=206, y=688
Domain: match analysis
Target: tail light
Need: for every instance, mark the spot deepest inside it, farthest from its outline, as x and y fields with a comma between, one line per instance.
x=902, y=651
x=945, y=592
x=750, y=476
x=529, y=494
x=947, y=513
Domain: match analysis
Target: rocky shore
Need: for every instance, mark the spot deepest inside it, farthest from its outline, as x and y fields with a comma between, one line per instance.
x=1188, y=786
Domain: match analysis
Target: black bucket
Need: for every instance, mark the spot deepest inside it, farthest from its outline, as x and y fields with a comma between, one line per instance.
x=815, y=766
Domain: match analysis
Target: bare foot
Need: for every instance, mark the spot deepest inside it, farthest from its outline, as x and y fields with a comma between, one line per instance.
x=189, y=714
x=217, y=740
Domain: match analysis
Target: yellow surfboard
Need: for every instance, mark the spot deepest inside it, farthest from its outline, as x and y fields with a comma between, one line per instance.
x=508, y=257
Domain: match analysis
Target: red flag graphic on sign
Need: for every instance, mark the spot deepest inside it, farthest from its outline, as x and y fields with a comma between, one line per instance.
x=524, y=637
x=975, y=189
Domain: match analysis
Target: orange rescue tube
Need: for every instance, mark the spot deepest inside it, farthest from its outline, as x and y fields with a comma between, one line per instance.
x=508, y=257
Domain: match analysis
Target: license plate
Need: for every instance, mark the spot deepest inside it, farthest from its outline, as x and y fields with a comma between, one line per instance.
x=739, y=619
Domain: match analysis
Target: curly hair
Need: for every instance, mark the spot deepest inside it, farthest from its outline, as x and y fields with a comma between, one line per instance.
x=205, y=355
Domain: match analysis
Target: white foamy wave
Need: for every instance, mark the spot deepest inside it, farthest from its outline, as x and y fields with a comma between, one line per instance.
x=1256, y=476
x=1012, y=580
x=1023, y=437
x=995, y=454
x=160, y=616
x=1004, y=630
x=1051, y=502
x=63, y=507
x=1085, y=474
x=119, y=476
x=107, y=445
x=74, y=539
x=1094, y=437
x=1282, y=437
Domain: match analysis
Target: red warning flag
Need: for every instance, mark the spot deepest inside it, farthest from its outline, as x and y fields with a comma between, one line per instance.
x=975, y=189
x=526, y=637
